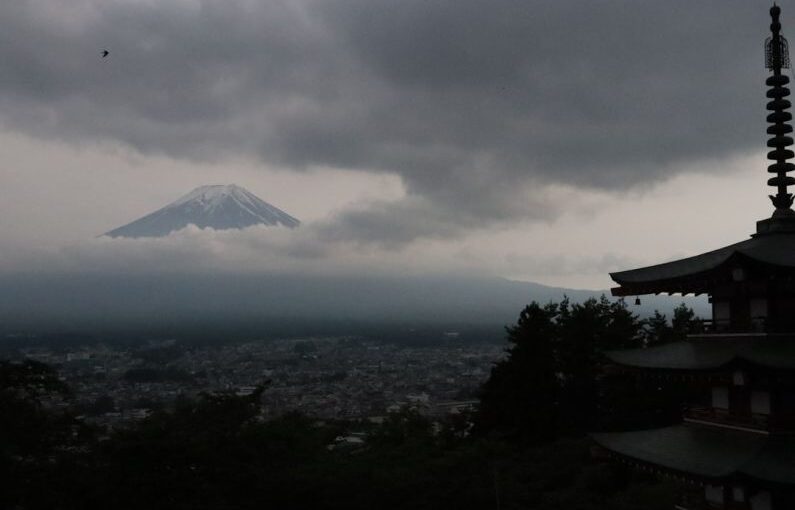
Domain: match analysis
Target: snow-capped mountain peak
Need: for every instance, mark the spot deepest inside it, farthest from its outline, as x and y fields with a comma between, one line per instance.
x=211, y=195
x=219, y=207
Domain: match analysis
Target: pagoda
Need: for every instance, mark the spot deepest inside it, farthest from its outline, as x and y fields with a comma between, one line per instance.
x=735, y=448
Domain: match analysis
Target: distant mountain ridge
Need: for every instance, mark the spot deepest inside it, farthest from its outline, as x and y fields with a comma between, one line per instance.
x=164, y=301
x=220, y=207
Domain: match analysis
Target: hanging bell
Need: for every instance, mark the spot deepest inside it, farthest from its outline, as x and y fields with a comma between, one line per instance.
x=637, y=301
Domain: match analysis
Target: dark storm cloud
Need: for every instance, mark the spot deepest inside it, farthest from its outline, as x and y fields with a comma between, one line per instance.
x=391, y=224
x=473, y=103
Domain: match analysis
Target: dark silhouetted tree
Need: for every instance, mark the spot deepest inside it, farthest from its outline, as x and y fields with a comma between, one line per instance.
x=659, y=331
x=685, y=322
x=36, y=444
x=520, y=398
x=548, y=384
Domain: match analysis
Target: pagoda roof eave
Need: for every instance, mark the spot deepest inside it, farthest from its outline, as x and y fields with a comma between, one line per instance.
x=696, y=274
x=707, y=452
x=710, y=354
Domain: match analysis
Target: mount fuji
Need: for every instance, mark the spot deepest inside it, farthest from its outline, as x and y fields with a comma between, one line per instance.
x=220, y=207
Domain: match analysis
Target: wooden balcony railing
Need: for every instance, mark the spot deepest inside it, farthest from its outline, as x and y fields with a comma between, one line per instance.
x=751, y=325
x=773, y=423
x=694, y=500
x=753, y=421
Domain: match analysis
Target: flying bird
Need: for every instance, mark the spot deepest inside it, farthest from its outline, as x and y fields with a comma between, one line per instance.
x=105, y=53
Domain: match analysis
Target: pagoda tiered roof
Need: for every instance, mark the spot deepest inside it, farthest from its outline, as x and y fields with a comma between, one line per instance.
x=708, y=452
x=746, y=436
x=773, y=251
x=712, y=353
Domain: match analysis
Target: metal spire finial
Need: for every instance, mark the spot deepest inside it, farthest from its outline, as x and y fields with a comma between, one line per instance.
x=777, y=58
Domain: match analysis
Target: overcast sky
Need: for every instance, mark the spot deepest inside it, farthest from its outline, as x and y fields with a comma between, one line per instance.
x=536, y=140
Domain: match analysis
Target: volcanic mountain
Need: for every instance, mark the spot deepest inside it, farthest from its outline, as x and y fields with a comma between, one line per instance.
x=220, y=207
